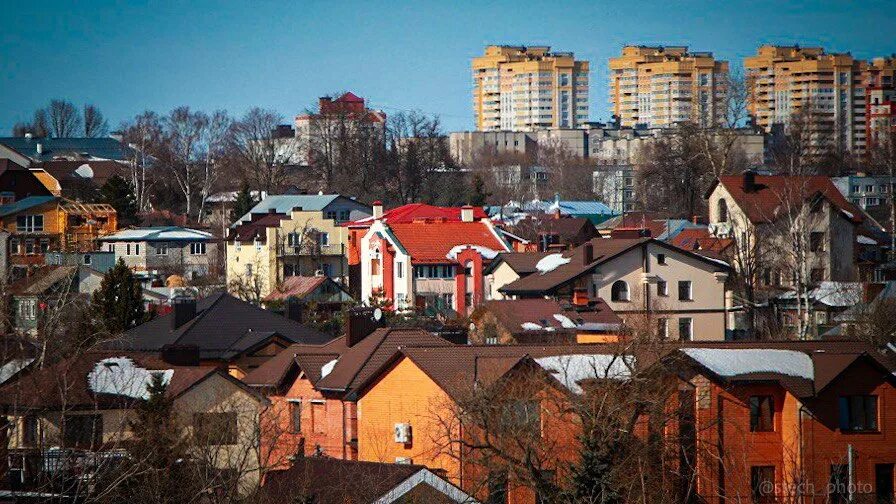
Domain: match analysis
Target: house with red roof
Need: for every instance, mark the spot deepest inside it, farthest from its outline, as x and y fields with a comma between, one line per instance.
x=346, y=111
x=768, y=211
x=429, y=263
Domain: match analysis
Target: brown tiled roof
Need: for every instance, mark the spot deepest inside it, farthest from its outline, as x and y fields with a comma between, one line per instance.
x=774, y=194
x=66, y=383
x=256, y=228
x=568, y=228
x=103, y=170
x=512, y=314
x=308, y=358
x=41, y=280
x=296, y=286
x=326, y=480
x=360, y=361
x=700, y=240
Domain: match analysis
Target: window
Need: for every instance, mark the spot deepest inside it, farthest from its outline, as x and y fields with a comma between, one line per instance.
x=497, y=487
x=662, y=328
x=330, y=214
x=662, y=288
x=161, y=248
x=30, y=431
x=29, y=246
x=14, y=245
x=661, y=258
x=257, y=245
x=88, y=259
x=375, y=266
x=619, y=291
x=684, y=291
x=29, y=223
x=214, y=428
x=816, y=241
x=685, y=329
x=723, y=210
x=295, y=416
x=44, y=245
x=82, y=430
x=762, y=483
x=838, y=484
x=128, y=249
x=197, y=248
x=523, y=414
x=323, y=239
x=399, y=270
x=858, y=413
x=762, y=414
x=344, y=215
x=883, y=483
x=136, y=249
x=318, y=417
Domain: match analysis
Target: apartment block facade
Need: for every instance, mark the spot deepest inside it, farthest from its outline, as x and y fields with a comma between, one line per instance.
x=835, y=90
x=659, y=86
x=520, y=88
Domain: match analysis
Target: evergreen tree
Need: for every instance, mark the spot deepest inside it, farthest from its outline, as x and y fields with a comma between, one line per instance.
x=591, y=477
x=119, y=300
x=244, y=202
x=118, y=193
x=479, y=195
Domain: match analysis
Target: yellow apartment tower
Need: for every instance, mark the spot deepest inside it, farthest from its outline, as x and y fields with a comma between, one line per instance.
x=832, y=88
x=517, y=88
x=659, y=86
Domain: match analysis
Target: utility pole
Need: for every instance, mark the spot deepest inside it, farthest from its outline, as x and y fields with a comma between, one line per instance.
x=850, y=488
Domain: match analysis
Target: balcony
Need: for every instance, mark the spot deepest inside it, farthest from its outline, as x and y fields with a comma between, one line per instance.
x=311, y=249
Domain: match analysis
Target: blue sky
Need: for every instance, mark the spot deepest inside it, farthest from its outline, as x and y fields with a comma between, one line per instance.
x=130, y=56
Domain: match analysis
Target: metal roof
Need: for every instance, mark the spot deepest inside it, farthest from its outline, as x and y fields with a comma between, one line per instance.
x=24, y=204
x=162, y=233
x=99, y=148
x=284, y=203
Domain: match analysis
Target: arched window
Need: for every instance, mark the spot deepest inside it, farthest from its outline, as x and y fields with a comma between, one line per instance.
x=619, y=291
x=723, y=210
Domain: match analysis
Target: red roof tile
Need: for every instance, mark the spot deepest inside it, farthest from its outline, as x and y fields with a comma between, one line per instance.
x=774, y=193
x=698, y=240
x=296, y=286
x=430, y=242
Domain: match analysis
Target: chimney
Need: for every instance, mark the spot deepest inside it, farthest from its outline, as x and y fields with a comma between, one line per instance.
x=180, y=355
x=557, y=213
x=359, y=323
x=587, y=253
x=580, y=296
x=749, y=181
x=377, y=210
x=295, y=309
x=40, y=148
x=694, y=219
x=466, y=213
x=183, y=311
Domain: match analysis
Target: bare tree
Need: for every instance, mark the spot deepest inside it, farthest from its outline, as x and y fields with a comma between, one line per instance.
x=184, y=130
x=215, y=141
x=263, y=156
x=145, y=138
x=95, y=124
x=63, y=117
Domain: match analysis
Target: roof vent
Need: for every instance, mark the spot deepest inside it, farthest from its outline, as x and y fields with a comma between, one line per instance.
x=29, y=135
x=40, y=148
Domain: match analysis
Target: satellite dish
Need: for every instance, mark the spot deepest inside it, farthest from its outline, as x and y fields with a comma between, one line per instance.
x=377, y=314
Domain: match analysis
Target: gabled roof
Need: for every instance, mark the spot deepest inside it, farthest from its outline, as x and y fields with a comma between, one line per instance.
x=774, y=194
x=326, y=480
x=360, y=361
x=521, y=315
x=301, y=287
x=284, y=203
x=431, y=242
x=25, y=204
x=42, y=280
x=223, y=328
x=415, y=211
x=248, y=231
x=700, y=240
x=161, y=233
x=67, y=383
x=87, y=148
x=308, y=358
x=567, y=228
x=575, y=265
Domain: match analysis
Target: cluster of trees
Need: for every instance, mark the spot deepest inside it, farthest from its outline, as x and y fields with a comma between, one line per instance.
x=62, y=118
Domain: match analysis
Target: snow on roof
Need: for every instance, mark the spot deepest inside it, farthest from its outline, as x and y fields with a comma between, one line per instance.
x=565, y=321
x=162, y=233
x=327, y=368
x=485, y=252
x=119, y=376
x=571, y=370
x=740, y=361
x=836, y=294
x=531, y=326
x=551, y=262
x=864, y=240
x=12, y=367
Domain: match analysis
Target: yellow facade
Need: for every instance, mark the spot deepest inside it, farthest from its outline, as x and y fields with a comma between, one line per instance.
x=304, y=244
x=831, y=88
x=520, y=88
x=659, y=86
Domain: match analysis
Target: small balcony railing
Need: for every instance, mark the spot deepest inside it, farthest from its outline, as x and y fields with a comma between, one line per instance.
x=287, y=250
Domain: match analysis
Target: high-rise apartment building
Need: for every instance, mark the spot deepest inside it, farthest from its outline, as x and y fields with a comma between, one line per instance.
x=834, y=92
x=880, y=101
x=517, y=88
x=660, y=86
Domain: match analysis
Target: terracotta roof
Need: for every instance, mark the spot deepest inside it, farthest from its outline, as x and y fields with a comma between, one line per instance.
x=66, y=382
x=326, y=480
x=431, y=242
x=223, y=328
x=413, y=211
x=775, y=193
x=296, y=286
x=514, y=313
x=699, y=240
x=360, y=361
